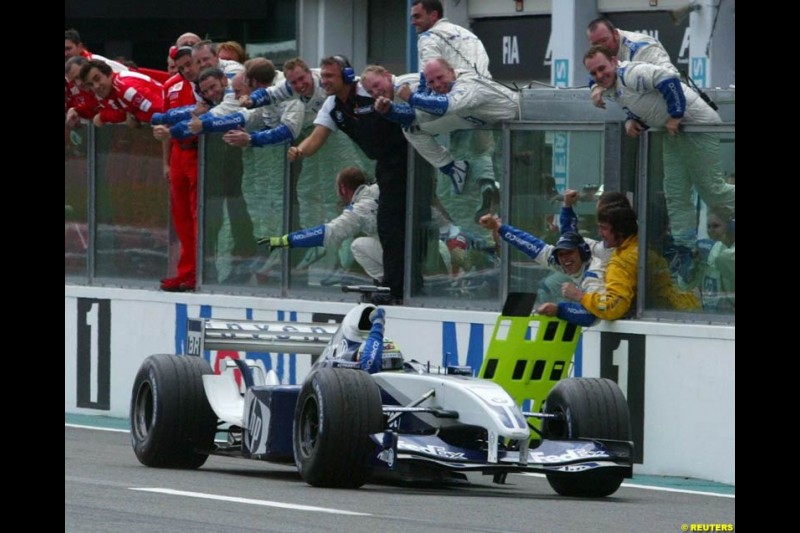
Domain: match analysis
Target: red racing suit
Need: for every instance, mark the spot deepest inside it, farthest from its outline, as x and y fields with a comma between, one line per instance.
x=84, y=102
x=133, y=93
x=183, y=179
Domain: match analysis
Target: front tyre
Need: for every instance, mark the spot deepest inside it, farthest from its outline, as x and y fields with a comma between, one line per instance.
x=588, y=408
x=172, y=424
x=337, y=410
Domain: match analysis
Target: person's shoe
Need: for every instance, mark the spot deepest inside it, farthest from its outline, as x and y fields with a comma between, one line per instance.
x=457, y=171
x=490, y=197
x=187, y=286
x=171, y=284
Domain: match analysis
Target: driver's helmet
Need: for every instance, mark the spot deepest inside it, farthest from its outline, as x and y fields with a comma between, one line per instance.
x=392, y=358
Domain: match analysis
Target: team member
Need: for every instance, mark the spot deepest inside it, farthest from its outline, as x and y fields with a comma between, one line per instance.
x=626, y=46
x=79, y=102
x=359, y=217
x=619, y=230
x=383, y=85
x=438, y=37
x=653, y=96
x=350, y=109
x=122, y=93
x=570, y=255
x=181, y=170
x=458, y=100
x=76, y=96
x=312, y=176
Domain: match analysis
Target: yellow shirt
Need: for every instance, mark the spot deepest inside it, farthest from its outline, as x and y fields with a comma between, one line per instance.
x=621, y=278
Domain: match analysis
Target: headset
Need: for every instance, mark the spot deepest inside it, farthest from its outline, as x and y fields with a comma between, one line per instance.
x=348, y=74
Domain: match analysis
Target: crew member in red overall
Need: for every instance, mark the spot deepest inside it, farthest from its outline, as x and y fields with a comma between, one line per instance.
x=179, y=91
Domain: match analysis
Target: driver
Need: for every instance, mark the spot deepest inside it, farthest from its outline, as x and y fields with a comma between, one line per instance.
x=362, y=344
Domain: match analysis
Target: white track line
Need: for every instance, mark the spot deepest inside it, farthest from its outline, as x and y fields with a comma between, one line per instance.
x=79, y=426
x=265, y=503
x=683, y=491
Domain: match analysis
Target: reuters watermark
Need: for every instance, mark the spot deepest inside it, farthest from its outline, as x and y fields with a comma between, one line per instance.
x=707, y=527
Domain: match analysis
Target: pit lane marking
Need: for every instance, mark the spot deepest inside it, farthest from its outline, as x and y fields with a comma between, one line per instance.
x=249, y=501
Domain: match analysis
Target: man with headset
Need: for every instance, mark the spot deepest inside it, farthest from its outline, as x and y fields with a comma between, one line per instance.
x=349, y=108
x=571, y=256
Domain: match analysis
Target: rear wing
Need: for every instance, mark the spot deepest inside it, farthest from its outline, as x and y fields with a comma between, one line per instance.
x=258, y=336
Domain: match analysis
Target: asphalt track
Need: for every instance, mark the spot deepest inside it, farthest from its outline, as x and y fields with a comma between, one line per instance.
x=107, y=490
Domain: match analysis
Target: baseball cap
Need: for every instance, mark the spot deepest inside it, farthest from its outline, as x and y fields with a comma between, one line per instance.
x=569, y=241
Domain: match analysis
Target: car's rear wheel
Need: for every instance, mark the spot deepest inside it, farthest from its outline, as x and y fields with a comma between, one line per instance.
x=587, y=408
x=172, y=424
x=336, y=411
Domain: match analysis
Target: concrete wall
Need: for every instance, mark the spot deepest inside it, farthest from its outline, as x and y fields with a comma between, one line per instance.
x=679, y=378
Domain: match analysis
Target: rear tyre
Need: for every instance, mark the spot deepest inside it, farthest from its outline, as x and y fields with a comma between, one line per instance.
x=590, y=408
x=337, y=410
x=172, y=424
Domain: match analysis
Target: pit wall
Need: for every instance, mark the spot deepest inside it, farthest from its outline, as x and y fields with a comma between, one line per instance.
x=679, y=379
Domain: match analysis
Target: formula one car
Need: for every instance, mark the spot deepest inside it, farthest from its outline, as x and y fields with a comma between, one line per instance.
x=343, y=426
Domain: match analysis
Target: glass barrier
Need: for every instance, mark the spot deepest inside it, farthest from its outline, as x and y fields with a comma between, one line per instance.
x=690, y=222
x=451, y=261
x=451, y=253
x=544, y=164
x=132, y=205
x=76, y=208
x=315, y=201
x=244, y=201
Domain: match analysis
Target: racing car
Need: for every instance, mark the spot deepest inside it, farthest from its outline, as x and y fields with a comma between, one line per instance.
x=343, y=426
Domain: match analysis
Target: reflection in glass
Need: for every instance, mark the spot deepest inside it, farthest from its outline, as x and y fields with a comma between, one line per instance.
x=132, y=240
x=76, y=194
x=315, y=202
x=243, y=199
x=696, y=236
x=544, y=164
x=455, y=255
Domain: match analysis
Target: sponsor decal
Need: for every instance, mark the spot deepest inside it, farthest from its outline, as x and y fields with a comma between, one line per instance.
x=255, y=425
x=309, y=234
x=430, y=449
x=577, y=468
x=569, y=455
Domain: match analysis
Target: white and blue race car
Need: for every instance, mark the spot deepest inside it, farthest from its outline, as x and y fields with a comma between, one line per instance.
x=344, y=426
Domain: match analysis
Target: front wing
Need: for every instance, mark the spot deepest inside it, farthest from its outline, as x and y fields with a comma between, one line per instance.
x=609, y=457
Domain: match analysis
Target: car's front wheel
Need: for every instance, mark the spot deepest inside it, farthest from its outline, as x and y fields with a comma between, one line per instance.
x=337, y=410
x=587, y=408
